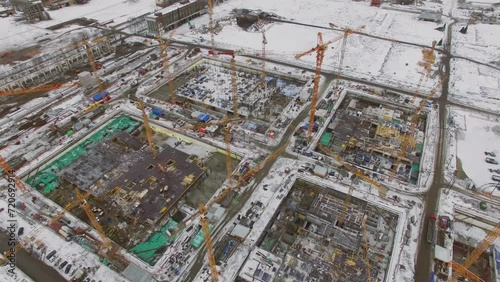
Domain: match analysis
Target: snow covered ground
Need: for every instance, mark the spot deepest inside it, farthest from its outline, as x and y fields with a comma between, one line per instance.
x=470, y=135
x=475, y=85
x=480, y=43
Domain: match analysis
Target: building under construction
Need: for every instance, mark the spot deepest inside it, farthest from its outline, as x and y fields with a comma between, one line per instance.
x=315, y=246
x=132, y=192
x=370, y=134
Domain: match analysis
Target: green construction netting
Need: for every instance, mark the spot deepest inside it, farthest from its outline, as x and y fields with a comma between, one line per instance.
x=147, y=250
x=199, y=239
x=420, y=147
x=48, y=175
x=415, y=167
x=325, y=138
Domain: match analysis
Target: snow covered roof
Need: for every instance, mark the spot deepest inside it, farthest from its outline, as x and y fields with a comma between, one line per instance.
x=442, y=254
x=136, y=274
x=240, y=231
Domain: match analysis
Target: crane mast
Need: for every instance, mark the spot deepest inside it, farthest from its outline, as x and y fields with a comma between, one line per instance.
x=149, y=131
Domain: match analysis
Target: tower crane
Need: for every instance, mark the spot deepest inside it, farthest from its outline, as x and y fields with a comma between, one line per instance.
x=10, y=173
x=149, y=131
x=320, y=54
x=92, y=62
x=42, y=88
x=477, y=252
x=211, y=24
x=413, y=124
x=166, y=64
x=428, y=61
x=347, y=32
x=229, y=159
x=105, y=240
x=263, y=83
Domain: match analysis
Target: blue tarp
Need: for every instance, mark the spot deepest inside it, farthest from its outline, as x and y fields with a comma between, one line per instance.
x=432, y=277
x=158, y=112
x=100, y=95
x=204, y=117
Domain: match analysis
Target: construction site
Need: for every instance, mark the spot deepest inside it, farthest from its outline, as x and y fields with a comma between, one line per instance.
x=216, y=87
x=312, y=233
x=132, y=190
x=377, y=137
x=222, y=141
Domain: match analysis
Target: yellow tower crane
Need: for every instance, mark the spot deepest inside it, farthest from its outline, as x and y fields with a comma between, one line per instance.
x=407, y=139
x=320, y=54
x=90, y=55
x=263, y=83
x=93, y=220
x=166, y=64
x=477, y=252
x=149, y=131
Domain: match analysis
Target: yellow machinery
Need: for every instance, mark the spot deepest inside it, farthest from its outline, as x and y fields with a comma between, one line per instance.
x=470, y=276
x=476, y=253
x=320, y=54
x=166, y=64
x=92, y=62
x=42, y=88
x=149, y=131
x=93, y=220
x=10, y=173
x=208, y=243
x=413, y=124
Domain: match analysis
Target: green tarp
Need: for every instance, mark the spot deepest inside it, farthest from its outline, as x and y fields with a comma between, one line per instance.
x=198, y=240
x=147, y=250
x=420, y=147
x=325, y=138
x=415, y=167
x=48, y=175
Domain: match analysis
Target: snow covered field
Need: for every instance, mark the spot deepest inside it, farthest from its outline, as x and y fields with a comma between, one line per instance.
x=470, y=136
x=481, y=42
x=474, y=85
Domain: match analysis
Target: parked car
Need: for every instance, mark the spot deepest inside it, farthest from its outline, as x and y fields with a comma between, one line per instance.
x=491, y=161
x=68, y=268
x=495, y=177
x=20, y=231
x=51, y=254
x=490, y=154
x=63, y=264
